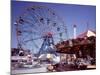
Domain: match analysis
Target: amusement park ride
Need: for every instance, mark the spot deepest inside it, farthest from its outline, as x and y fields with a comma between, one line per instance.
x=41, y=31
x=38, y=29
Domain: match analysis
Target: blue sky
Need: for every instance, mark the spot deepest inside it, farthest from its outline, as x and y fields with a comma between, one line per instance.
x=71, y=14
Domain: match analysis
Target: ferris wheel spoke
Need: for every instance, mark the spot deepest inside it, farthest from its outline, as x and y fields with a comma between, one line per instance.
x=29, y=22
x=34, y=14
x=35, y=44
x=43, y=16
x=37, y=17
x=33, y=39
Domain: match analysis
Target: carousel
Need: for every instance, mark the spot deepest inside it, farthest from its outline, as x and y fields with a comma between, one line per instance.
x=79, y=52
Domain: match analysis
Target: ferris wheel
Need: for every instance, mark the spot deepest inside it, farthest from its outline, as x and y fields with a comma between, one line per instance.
x=39, y=27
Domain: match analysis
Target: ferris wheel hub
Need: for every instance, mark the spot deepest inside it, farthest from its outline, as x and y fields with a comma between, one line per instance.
x=48, y=34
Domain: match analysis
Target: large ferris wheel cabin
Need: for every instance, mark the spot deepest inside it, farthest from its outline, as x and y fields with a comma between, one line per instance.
x=52, y=37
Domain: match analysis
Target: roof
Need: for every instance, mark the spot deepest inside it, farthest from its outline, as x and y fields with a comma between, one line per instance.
x=88, y=33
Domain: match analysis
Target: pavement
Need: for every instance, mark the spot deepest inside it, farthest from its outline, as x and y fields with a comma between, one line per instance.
x=35, y=69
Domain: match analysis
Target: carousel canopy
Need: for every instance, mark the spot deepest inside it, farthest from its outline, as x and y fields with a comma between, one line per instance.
x=88, y=33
